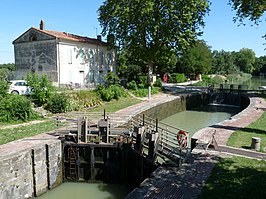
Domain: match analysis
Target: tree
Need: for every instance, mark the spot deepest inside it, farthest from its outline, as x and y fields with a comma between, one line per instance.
x=260, y=65
x=223, y=62
x=251, y=9
x=153, y=30
x=245, y=60
x=197, y=59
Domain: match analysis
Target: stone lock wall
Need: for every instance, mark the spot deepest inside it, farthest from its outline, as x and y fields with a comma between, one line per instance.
x=29, y=167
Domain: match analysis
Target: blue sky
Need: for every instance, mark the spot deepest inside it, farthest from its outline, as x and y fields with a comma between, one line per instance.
x=80, y=17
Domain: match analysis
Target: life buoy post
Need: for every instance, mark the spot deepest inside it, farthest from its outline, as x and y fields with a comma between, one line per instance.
x=182, y=138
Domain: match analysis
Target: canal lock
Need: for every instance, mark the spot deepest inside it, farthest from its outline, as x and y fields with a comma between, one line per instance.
x=97, y=153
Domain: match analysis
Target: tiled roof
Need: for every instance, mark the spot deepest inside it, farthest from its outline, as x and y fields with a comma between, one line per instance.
x=71, y=37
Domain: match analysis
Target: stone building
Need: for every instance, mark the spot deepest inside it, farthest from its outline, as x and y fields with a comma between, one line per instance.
x=65, y=58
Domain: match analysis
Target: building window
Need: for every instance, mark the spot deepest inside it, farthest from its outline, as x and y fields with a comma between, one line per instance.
x=91, y=76
x=69, y=56
x=91, y=58
x=101, y=58
x=110, y=57
x=33, y=37
x=82, y=56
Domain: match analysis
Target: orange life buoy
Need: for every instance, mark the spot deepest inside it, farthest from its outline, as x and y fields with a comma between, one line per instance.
x=182, y=138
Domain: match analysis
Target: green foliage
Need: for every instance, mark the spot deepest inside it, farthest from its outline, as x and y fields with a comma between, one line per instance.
x=107, y=94
x=245, y=60
x=143, y=79
x=144, y=28
x=179, y=78
x=207, y=79
x=111, y=92
x=223, y=62
x=16, y=107
x=118, y=91
x=133, y=72
x=158, y=83
x=248, y=9
x=197, y=59
x=3, y=88
x=132, y=85
x=111, y=78
x=144, y=91
x=58, y=103
x=41, y=88
x=9, y=66
x=85, y=99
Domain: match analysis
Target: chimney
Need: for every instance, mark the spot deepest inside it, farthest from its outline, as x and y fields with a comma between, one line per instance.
x=42, y=25
x=99, y=37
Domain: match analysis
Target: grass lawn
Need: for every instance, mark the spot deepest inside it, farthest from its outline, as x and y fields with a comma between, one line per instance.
x=115, y=105
x=236, y=177
x=11, y=134
x=242, y=138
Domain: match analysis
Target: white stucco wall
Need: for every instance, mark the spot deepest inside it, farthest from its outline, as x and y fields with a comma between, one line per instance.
x=84, y=64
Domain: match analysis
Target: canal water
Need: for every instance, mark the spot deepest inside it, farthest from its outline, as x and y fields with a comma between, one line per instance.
x=195, y=119
x=71, y=190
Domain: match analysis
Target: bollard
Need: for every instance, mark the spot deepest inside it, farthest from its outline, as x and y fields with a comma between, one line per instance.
x=255, y=144
x=149, y=93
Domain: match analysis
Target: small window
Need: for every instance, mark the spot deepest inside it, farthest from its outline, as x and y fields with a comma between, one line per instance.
x=110, y=57
x=101, y=58
x=82, y=56
x=91, y=58
x=69, y=56
x=91, y=76
x=33, y=37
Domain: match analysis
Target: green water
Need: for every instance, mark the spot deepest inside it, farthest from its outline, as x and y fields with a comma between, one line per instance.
x=193, y=120
x=71, y=190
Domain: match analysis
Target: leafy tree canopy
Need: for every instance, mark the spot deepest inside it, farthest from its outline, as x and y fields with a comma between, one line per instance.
x=245, y=60
x=250, y=9
x=153, y=30
x=197, y=59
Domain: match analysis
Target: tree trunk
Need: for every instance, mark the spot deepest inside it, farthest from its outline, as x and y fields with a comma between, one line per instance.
x=150, y=70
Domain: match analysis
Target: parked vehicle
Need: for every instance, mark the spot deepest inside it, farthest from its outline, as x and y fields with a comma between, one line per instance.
x=19, y=87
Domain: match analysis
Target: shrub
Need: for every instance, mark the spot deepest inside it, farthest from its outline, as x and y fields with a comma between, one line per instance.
x=141, y=86
x=3, y=88
x=85, y=99
x=179, y=77
x=16, y=108
x=158, y=83
x=207, y=79
x=107, y=94
x=144, y=80
x=58, y=103
x=132, y=85
x=111, y=78
x=144, y=92
x=118, y=91
x=41, y=88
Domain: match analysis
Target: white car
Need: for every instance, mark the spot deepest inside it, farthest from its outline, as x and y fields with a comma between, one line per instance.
x=19, y=87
